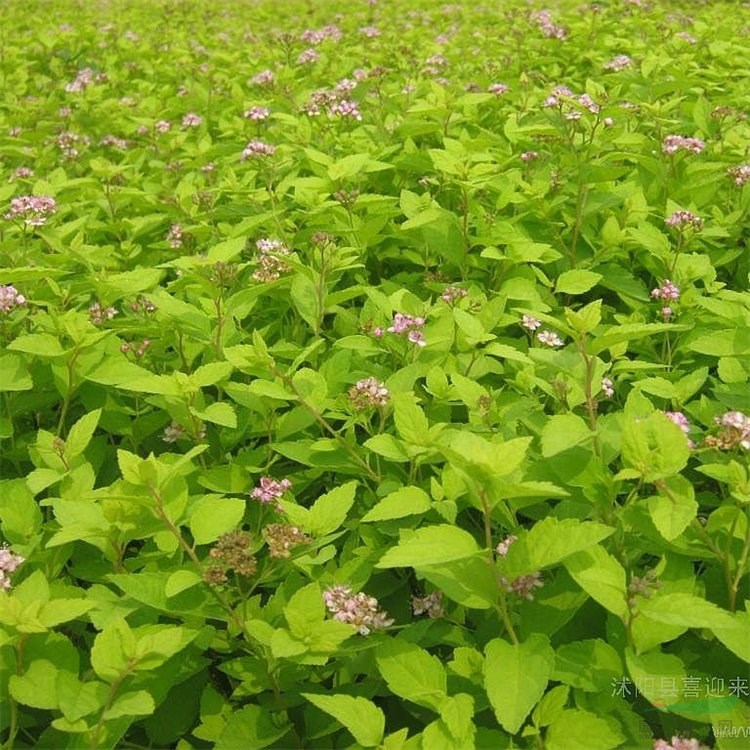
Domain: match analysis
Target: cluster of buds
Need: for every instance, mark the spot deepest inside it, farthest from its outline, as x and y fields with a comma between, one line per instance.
x=618, y=63
x=682, y=422
x=162, y=126
x=430, y=605
x=281, y=538
x=739, y=174
x=452, y=293
x=8, y=564
x=347, y=198
x=368, y=393
x=22, y=173
x=410, y=326
x=547, y=26
x=270, y=263
x=191, y=120
x=264, y=78
x=223, y=274
x=175, y=431
x=644, y=587
x=257, y=114
x=735, y=431
x=528, y=156
x=359, y=610
x=10, y=298
x=112, y=141
x=69, y=144
x=316, y=36
x=680, y=743
x=523, y=586
x=34, y=210
x=270, y=491
x=175, y=236
x=143, y=305
x=137, y=350
x=674, y=143
x=569, y=104
x=257, y=150
x=681, y=219
x=99, y=315
x=345, y=108
x=608, y=387
x=230, y=553
x=667, y=291
x=503, y=546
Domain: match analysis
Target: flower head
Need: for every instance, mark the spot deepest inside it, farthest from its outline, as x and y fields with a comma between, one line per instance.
x=264, y=78
x=175, y=236
x=409, y=325
x=281, y=538
x=682, y=219
x=740, y=174
x=33, y=209
x=270, y=490
x=367, y=393
x=503, y=546
x=667, y=291
x=452, y=293
x=257, y=150
x=8, y=564
x=191, y=120
x=360, y=610
x=608, y=387
x=530, y=322
x=10, y=298
x=618, y=63
x=548, y=338
x=674, y=143
x=430, y=605
x=270, y=259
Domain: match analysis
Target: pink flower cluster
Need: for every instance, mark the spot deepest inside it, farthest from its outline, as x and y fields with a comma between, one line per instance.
x=498, y=89
x=740, y=174
x=608, y=387
x=667, y=291
x=162, y=126
x=528, y=156
x=257, y=150
x=10, y=298
x=270, y=491
x=565, y=100
x=114, y=142
x=257, y=114
x=317, y=36
x=524, y=586
x=99, y=315
x=360, y=610
x=370, y=31
x=264, y=78
x=674, y=143
x=503, y=546
x=345, y=108
x=308, y=56
x=83, y=79
x=452, y=293
x=549, y=338
x=530, y=322
x=270, y=263
x=430, y=605
x=69, y=142
x=175, y=236
x=618, y=63
x=681, y=219
x=33, y=209
x=8, y=564
x=137, y=350
x=191, y=120
x=547, y=26
x=367, y=393
x=410, y=326
x=22, y=173
x=679, y=743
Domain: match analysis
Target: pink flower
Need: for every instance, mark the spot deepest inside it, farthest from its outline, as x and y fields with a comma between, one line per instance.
x=100, y=315
x=430, y=605
x=359, y=610
x=452, y=293
x=10, y=298
x=270, y=491
x=175, y=236
x=681, y=219
x=264, y=78
x=667, y=291
x=257, y=150
x=345, y=108
x=162, y=126
x=191, y=120
x=528, y=156
x=308, y=56
x=257, y=113
x=367, y=393
x=530, y=322
x=498, y=89
x=608, y=387
x=674, y=143
x=22, y=173
x=503, y=546
x=618, y=63
x=8, y=564
x=740, y=174
x=548, y=338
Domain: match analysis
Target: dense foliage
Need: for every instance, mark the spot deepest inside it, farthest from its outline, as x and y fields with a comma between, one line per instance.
x=374, y=373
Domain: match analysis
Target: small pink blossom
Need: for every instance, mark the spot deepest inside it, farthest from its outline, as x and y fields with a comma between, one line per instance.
x=360, y=610
x=618, y=63
x=270, y=491
x=503, y=546
x=530, y=322
x=257, y=150
x=674, y=143
x=498, y=89
x=10, y=298
x=308, y=56
x=608, y=387
x=257, y=114
x=667, y=291
x=430, y=605
x=191, y=120
x=528, y=156
x=33, y=209
x=452, y=293
x=681, y=219
x=264, y=78
x=740, y=174
x=548, y=338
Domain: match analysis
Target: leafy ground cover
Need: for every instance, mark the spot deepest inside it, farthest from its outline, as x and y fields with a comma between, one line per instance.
x=374, y=374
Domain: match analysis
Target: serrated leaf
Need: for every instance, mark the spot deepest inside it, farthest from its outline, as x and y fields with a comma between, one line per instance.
x=412, y=673
x=432, y=545
x=576, y=281
x=406, y=501
x=364, y=720
x=214, y=517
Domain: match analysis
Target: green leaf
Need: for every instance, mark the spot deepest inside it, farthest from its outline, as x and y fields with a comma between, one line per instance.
x=329, y=510
x=40, y=344
x=14, y=375
x=252, y=727
x=412, y=673
x=479, y=456
x=431, y=545
x=655, y=447
x=135, y=703
x=360, y=716
x=181, y=580
x=551, y=706
x=35, y=687
x=411, y=424
x=304, y=296
x=590, y=665
x=388, y=446
x=583, y=730
x=81, y=433
x=576, y=281
x=214, y=517
x=221, y=413
x=674, y=507
x=601, y=576
x=551, y=541
x=78, y=699
x=113, y=648
x=58, y=611
x=470, y=582
x=406, y=501
x=305, y=610
x=516, y=676
x=563, y=431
